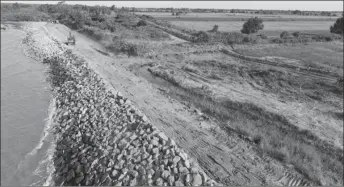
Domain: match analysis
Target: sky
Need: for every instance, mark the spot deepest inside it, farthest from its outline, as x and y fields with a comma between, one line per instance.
x=270, y=5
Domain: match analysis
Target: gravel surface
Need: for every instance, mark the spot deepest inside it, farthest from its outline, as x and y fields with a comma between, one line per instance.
x=101, y=138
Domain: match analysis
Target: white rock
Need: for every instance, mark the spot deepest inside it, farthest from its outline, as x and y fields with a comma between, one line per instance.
x=162, y=136
x=197, y=180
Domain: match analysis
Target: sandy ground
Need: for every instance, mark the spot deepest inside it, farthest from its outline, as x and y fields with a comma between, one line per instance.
x=231, y=162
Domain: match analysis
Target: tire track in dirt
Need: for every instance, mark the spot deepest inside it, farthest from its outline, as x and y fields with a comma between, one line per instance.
x=290, y=69
x=291, y=180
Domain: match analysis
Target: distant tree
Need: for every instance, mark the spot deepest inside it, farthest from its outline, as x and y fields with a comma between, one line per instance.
x=298, y=12
x=296, y=34
x=338, y=26
x=202, y=36
x=284, y=34
x=252, y=25
x=215, y=28
x=79, y=18
x=113, y=7
x=141, y=23
x=16, y=6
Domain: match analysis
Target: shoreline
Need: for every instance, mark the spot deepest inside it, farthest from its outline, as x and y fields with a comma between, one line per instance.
x=101, y=138
x=31, y=100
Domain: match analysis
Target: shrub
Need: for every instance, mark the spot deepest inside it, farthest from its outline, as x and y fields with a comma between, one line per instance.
x=15, y=5
x=202, y=36
x=129, y=48
x=337, y=27
x=78, y=19
x=284, y=34
x=328, y=38
x=296, y=34
x=215, y=29
x=141, y=23
x=252, y=25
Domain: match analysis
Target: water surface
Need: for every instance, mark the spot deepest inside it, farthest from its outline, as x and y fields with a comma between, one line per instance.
x=25, y=99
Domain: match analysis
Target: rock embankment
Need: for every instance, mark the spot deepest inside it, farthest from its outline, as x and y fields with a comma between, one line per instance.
x=38, y=45
x=101, y=138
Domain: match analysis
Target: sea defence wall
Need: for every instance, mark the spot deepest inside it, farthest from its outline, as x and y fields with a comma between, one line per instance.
x=100, y=137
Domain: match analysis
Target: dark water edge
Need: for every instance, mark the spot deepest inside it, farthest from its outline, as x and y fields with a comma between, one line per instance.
x=26, y=143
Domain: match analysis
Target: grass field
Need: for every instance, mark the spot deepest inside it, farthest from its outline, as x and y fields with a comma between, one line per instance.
x=234, y=17
x=228, y=22
x=321, y=54
x=270, y=28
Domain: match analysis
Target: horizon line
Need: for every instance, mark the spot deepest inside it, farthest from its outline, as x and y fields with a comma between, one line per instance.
x=173, y=5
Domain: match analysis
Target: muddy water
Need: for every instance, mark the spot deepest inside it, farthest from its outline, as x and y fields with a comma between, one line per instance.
x=25, y=99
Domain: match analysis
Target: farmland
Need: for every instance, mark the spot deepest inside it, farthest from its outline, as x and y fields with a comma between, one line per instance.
x=273, y=24
x=234, y=17
x=273, y=28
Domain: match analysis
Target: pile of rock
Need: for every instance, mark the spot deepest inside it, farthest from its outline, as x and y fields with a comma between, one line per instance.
x=101, y=139
x=39, y=46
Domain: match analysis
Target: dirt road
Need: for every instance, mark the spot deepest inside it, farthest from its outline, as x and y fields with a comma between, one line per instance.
x=228, y=160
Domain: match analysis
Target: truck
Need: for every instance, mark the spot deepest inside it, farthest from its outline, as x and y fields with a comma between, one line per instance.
x=70, y=39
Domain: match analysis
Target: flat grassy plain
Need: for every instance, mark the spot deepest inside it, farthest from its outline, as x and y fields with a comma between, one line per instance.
x=271, y=28
x=228, y=22
x=234, y=17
